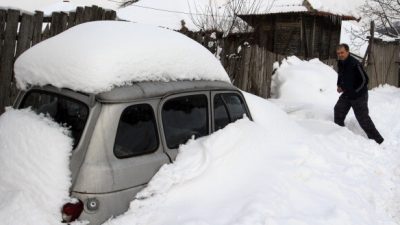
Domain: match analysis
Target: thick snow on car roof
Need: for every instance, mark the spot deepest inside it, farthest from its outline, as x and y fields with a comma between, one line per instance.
x=97, y=56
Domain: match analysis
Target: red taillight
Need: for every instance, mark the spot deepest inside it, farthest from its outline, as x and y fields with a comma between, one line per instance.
x=72, y=211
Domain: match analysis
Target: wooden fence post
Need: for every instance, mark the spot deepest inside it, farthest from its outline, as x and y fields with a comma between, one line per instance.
x=3, y=16
x=7, y=59
x=25, y=34
x=37, y=27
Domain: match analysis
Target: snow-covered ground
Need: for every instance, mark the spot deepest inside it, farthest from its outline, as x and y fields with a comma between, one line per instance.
x=294, y=168
x=307, y=90
x=291, y=166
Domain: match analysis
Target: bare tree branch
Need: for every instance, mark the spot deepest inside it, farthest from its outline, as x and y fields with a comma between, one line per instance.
x=224, y=17
x=385, y=13
x=128, y=2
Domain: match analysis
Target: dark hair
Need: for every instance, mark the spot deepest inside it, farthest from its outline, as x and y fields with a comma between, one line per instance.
x=343, y=45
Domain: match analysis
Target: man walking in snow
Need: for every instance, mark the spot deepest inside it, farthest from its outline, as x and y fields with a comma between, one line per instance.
x=352, y=83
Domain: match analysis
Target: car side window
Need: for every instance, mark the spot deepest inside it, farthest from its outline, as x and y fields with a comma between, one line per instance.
x=228, y=107
x=184, y=117
x=137, y=132
x=221, y=116
x=235, y=106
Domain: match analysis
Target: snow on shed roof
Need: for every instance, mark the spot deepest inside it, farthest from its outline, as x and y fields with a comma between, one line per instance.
x=328, y=7
x=97, y=56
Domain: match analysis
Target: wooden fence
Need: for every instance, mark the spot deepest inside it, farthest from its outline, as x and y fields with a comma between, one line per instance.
x=383, y=63
x=20, y=31
x=252, y=69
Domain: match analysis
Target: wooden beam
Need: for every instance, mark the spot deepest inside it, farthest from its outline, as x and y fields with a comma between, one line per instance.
x=313, y=37
x=304, y=38
x=3, y=15
x=37, y=27
x=371, y=42
x=25, y=34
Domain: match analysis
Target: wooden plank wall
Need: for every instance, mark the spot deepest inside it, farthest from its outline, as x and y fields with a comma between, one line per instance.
x=383, y=63
x=249, y=65
x=252, y=68
x=20, y=31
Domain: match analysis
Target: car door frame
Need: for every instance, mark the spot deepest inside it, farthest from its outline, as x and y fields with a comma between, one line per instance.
x=172, y=153
x=215, y=92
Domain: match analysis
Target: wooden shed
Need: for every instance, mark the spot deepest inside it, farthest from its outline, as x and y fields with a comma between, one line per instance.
x=297, y=27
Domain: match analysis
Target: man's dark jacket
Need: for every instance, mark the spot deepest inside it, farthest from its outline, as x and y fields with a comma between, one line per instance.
x=352, y=79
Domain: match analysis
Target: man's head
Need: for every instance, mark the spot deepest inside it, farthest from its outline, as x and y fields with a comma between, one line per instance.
x=342, y=51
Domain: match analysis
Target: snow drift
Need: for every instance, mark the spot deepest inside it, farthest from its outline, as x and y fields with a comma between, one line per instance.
x=280, y=169
x=94, y=57
x=34, y=169
x=272, y=171
x=306, y=82
x=307, y=90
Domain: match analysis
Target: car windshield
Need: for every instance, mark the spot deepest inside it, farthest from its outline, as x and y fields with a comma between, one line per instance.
x=66, y=111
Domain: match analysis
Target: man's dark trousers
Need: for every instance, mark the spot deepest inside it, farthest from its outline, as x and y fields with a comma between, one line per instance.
x=360, y=108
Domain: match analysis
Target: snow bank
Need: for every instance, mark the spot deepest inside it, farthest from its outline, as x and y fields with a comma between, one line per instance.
x=307, y=90
x=34, y=169
x=304, y=84
x=97, y=56
x=277, y=173
x=314, y=112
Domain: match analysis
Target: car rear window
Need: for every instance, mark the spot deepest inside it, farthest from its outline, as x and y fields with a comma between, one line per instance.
x=184, y=117
x=66, y=111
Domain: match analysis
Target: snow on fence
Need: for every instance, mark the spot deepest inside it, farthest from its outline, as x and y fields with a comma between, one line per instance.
x=19, y=31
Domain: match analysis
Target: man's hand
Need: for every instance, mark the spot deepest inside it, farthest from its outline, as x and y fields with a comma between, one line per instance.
x=339, y=90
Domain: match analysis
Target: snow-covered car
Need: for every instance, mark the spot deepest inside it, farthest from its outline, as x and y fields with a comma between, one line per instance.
x=124, y=130
x=122, y=137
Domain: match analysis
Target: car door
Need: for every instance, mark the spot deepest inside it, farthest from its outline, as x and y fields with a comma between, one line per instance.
x=125, y=151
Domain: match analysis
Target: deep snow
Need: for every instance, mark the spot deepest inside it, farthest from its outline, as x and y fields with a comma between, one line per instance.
x=292, y=168
x=307, y=90
x=34, y=168
x=295, y=168
x=273, y=171
x=95, y=57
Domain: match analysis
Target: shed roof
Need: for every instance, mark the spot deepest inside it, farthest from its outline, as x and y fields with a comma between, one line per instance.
x=315, y=7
